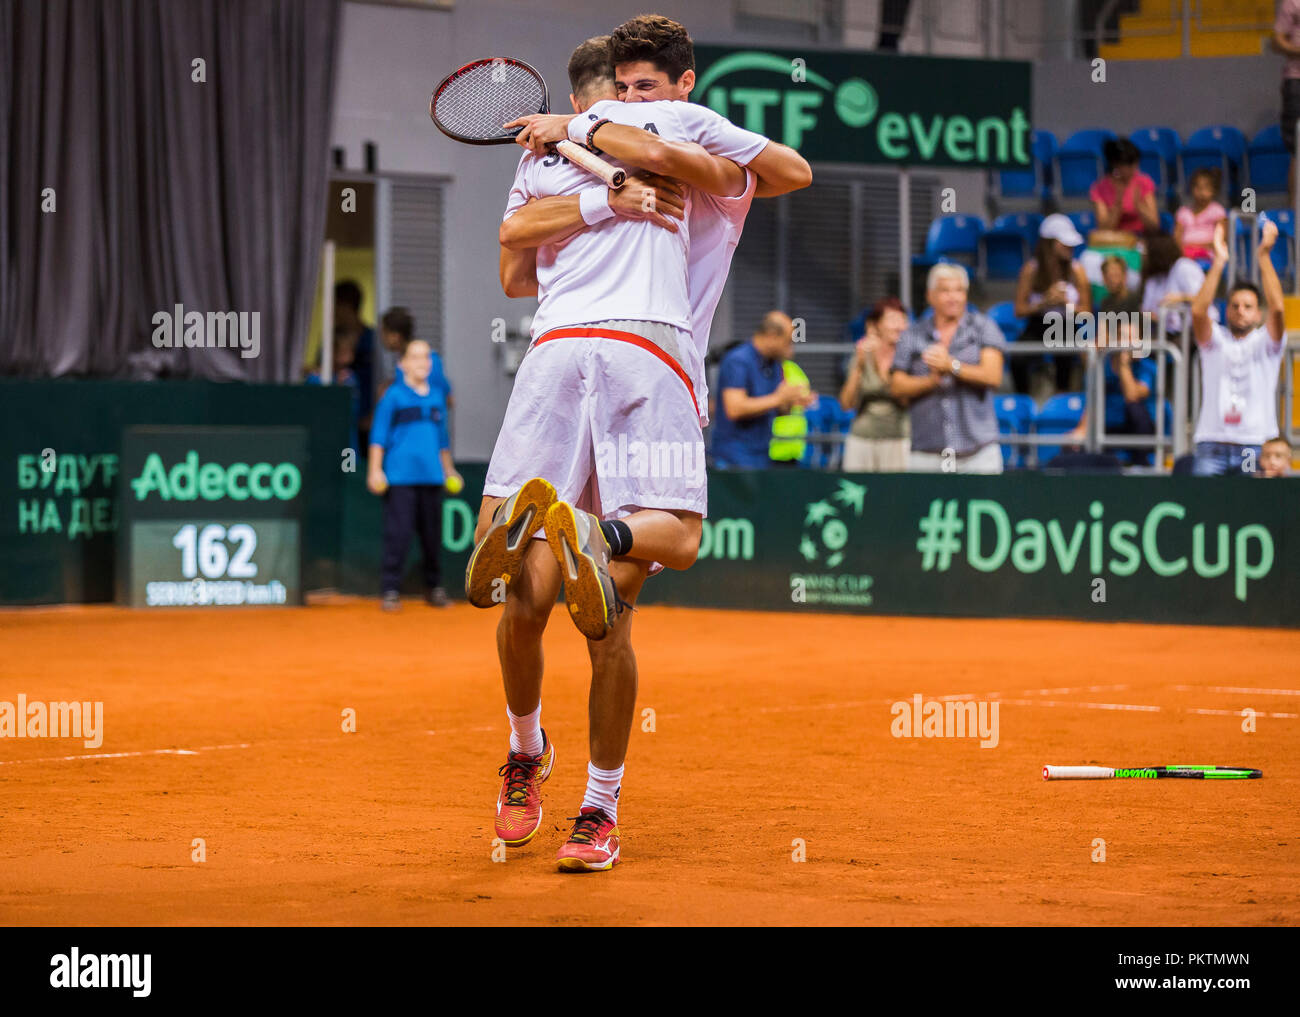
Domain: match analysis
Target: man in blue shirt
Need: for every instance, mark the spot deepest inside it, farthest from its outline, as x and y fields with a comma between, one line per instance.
x=410, y=460
x=753, y=390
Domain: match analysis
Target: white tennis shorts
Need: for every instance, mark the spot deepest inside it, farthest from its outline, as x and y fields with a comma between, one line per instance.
x=608, y=414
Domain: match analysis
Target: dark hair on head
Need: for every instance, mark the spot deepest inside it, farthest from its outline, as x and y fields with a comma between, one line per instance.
x=398, y=320
x=590, y=66
x=882, y=305
x=1242, y=284
x=1211, y=173
x=349, y=293
x=1049, y=266
x=656, y=39
x=1120, y=152
x=1162, y=252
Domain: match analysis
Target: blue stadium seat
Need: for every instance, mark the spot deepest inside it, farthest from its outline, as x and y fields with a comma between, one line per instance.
x=1160, y=148
x=824, y=417
x=1079, y=161
x=952, y=237
x=1167, y=222
x=1015, y=415
x=1269, y=161
x=1058, y=415
x=1009, y=242
x=1036, y=181
x=1004, y=316
x=1219, y=147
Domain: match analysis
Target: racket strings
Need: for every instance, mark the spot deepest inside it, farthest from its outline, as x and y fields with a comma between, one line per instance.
x=480, y=100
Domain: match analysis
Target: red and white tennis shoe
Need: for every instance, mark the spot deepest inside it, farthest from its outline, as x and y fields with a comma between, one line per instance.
x=519, y=806
x=593, y=844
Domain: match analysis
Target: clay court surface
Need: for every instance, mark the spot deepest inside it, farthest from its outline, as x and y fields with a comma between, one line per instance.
x=769, y=727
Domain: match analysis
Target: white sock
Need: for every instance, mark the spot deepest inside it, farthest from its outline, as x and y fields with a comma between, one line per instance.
x=603, y=787
x=526, y=732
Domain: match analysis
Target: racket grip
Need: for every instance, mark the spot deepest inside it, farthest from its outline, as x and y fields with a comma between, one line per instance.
x=1077, y=772
x=592, y=163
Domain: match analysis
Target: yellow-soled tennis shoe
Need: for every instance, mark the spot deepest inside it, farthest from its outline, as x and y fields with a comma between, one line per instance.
x=497, y=557
x=583, y=555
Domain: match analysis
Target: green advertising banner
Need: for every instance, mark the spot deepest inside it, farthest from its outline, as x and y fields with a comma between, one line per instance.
x=211, y=516
x=62, y=475
x=862, y=107
x=1183, y=550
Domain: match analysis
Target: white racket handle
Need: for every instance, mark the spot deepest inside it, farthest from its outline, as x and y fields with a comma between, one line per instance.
x=1077, y=772
x=592, y=163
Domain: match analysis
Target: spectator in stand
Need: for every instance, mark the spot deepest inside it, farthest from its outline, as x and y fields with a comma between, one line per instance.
x=361, y=337
x=751, y=380
x=790, y=429
x=343, y=373
x=1195, y=223
x=948, y=367
x=1239, y=364
x=878, y=440
x=1130, y=386
x=1168, y=279
x=1275, y=458
x=1050, y=284
x=1119, y=299
x=396, y=329
x=410, y=462
x=1124, y=200
x=1286, y=40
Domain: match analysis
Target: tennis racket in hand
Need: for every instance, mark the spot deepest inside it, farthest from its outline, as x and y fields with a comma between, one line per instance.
x=473, y=104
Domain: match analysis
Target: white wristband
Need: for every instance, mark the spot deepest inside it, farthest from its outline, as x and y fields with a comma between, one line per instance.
x=594, y=204
x=579, y=125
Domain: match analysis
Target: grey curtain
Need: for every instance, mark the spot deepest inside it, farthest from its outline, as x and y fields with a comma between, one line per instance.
x=167, y=191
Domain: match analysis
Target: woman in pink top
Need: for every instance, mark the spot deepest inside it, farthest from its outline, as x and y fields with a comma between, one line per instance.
x=1125, y=199
x=1196, y=222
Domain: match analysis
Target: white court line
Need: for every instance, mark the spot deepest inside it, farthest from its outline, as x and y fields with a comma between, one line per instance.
x=1145, y=709
x=1234, y=690
x=120, y=755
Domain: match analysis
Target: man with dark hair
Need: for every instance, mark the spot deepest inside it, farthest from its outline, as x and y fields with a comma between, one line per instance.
x=658, y=41
x=1239, y=364
x=751, y=380
x=352, y=330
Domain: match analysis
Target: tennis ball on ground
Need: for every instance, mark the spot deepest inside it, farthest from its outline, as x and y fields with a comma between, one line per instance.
x=454, y=484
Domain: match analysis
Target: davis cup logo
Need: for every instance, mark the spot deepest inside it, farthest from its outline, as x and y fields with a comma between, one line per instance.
x=826, y=525
x=828, y=530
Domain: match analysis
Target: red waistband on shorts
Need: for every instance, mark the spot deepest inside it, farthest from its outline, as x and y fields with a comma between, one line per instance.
x=627, y=337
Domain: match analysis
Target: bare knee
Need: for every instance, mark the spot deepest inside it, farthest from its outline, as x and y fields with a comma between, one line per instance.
x=523, y=617
x=689, y=548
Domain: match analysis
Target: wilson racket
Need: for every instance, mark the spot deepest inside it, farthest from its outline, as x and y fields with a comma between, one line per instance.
x=471, y=105
x=1182, y=772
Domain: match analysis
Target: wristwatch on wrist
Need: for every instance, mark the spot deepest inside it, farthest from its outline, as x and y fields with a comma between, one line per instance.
x=955, y=367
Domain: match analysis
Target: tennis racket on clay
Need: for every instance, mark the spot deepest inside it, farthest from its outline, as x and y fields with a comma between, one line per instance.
x=1181, y=772
x=472, y=104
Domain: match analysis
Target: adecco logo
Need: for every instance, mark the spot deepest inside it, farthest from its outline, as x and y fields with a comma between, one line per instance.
x=188, y=480
x=899, y=135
